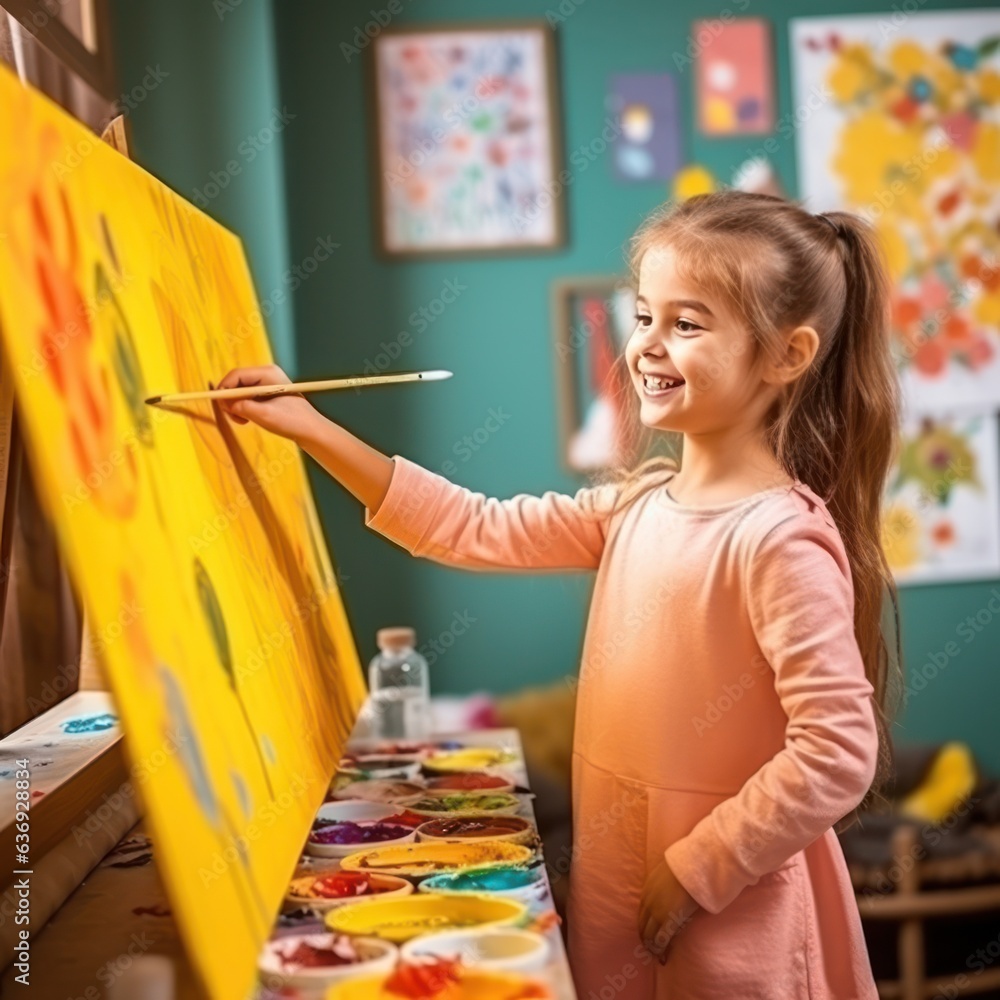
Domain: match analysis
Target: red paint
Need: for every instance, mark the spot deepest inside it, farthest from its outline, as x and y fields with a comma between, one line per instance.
x=342, y=885
x=406, y=818
x=470, y=781
x=307, y=956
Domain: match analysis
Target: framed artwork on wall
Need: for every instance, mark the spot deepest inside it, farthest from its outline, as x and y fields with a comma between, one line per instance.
x=735, y=77
x=465, y=123
x=909, y=142
x=650, y=144
x=907, y=139
x=593, y=317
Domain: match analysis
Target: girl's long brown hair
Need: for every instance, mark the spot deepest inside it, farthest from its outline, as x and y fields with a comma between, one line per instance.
x=835, y=428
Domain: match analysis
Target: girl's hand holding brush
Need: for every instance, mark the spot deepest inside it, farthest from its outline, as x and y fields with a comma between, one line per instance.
x=291, y=416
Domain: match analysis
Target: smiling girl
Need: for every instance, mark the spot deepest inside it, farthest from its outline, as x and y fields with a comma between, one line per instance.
x=731, y=691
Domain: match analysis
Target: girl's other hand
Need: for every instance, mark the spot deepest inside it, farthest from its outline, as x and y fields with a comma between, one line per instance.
x=287, y=416
x=664, y=907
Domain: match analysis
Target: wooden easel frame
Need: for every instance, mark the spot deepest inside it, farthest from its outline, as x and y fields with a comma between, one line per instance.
x=95, y=68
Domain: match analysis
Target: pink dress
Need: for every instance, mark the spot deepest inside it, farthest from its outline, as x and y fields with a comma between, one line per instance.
x=723, y=720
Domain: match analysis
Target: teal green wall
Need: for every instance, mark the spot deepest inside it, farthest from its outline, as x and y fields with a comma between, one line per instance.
x=496, y=336
x=219, y=91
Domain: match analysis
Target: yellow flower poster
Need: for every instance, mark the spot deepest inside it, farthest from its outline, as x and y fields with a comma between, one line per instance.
x=194, y=544
x=897, y=118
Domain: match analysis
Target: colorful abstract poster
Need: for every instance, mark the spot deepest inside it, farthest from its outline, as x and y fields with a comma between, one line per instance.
x=648, y=145
x=194, y=544
x=734, y=77
x=466, y=123
x=942, y=504
x=898, y=119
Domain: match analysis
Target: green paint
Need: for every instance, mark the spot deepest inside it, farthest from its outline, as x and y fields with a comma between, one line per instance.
x=496, y=336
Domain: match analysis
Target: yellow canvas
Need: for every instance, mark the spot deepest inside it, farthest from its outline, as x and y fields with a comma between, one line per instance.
x=194, y=544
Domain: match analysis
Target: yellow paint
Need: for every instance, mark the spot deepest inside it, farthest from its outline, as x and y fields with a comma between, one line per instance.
x=436, y=857
x=400, y=920
x=193, y=543
x=469, y=759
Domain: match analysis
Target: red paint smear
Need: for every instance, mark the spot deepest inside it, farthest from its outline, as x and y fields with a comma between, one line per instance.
x=74, y=249
x=79, y=448
x=423, y=981
x=41, y=223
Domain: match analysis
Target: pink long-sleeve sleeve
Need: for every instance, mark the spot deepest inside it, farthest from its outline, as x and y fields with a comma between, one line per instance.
x=430, y=516
x=801, y=604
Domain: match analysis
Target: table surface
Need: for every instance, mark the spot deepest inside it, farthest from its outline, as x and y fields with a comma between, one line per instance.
x=121, y=911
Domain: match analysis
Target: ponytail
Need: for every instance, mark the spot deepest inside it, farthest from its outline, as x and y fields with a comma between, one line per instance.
x=847, y=407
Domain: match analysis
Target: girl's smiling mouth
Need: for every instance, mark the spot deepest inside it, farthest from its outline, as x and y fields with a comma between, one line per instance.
x=660, y=386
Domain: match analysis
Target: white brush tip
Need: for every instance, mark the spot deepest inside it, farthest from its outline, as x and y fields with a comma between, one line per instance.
x=436, y=375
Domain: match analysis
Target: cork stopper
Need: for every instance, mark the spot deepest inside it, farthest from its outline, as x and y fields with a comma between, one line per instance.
x=395, y=638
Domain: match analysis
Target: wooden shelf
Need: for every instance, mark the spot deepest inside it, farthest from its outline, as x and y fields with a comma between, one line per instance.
x=74, y=778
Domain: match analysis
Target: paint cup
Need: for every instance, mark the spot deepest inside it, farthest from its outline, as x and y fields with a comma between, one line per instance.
x=469, y=782
x=317, y=848
x=354, y=811
x=367, y=766
x=502, y=949
x=300, y=896
x=473, y=829
x=423, y=860
x=468, y=759
x=387, y=791
x=374, y=957
x=508, y=881
x=473, y=986
x=464, y=804
x=399, y=920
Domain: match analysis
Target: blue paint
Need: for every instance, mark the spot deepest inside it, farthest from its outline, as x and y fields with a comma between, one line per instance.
x=501, y=879
x=242, y=792
x=190, y=749
x=90, y=723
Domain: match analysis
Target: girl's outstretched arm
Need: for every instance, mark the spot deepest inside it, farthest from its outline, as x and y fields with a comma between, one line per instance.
x=425, y=513
x=801, y=603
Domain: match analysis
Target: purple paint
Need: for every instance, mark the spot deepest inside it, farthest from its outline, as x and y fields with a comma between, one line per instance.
x=356, y=833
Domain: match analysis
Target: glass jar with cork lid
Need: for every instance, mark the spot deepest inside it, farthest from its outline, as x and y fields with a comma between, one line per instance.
x=399, y=687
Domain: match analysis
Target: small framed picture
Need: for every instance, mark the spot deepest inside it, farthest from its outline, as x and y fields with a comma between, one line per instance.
x=466, y=141
x=593, y=317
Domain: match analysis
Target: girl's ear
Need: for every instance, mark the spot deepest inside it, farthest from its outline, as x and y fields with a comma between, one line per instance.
x=801, y=345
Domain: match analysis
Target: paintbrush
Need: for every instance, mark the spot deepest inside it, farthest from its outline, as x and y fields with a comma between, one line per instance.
x=297, y=388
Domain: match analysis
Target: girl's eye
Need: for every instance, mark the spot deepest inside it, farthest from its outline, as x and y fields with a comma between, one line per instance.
x=643, y=320
x=687, y=327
